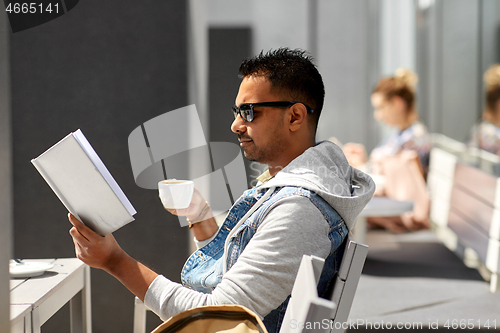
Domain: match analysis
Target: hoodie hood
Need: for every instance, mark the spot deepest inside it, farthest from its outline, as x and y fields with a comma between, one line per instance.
x=324, y=170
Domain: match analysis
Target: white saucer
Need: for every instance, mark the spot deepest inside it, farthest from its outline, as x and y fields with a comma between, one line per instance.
x=28, y=268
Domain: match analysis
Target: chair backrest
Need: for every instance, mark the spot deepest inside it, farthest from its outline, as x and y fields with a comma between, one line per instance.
x=347, y=280
x=306, y=311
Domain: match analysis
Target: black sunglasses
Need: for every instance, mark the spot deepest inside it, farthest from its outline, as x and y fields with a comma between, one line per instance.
x=245, y=110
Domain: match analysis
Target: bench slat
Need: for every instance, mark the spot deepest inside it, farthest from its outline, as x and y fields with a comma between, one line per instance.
x=477, y=212
x=439, y=212
x=442, y=162
x=477, y=182
x=468, y=235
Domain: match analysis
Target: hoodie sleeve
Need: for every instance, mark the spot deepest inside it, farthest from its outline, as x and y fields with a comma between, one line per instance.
x=264, y=274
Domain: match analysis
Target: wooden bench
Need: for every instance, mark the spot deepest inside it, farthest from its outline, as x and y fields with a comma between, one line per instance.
x=465, y=204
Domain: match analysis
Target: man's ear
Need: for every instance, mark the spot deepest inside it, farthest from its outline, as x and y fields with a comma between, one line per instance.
x=298, y=114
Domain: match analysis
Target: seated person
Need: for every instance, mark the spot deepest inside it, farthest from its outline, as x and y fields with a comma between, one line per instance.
x=394, y=101
x=305, y=203
x=486, y=134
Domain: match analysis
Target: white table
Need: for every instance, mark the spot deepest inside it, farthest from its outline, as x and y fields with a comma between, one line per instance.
x=379, y=206
x=34, y=300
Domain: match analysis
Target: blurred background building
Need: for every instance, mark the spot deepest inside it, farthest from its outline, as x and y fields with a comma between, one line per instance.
x=108, y=66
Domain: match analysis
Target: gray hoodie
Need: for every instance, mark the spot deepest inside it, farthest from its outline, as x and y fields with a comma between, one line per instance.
x=324, y=170
x=263, y=276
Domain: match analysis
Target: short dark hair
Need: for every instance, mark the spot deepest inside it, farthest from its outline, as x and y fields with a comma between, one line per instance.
x=291, y=73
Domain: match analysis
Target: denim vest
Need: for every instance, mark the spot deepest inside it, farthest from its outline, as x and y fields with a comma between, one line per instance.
x=204, y=268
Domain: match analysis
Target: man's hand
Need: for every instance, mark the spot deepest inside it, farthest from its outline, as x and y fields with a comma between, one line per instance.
x=204, y=226
x=105, y=253
x=93, y=249
x=193, y=210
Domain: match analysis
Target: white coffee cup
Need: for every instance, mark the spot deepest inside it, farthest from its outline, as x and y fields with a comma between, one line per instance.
x=176, y=194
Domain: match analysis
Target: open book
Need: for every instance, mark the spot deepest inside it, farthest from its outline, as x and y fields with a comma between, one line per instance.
x=84, y=185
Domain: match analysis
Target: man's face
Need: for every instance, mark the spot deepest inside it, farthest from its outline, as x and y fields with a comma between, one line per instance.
x=265, y=138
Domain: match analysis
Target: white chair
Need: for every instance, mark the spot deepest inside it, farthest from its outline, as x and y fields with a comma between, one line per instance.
x=306, y=311
x=140, y=311
x=305, y=305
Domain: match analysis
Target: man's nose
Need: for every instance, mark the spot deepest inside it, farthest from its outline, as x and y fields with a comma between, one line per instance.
x=238, y=125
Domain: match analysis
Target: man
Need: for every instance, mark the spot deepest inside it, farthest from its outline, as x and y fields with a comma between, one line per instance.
x=305, y=203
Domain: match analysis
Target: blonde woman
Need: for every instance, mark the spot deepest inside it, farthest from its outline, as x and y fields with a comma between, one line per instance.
x=393, y=100
x=486, y=134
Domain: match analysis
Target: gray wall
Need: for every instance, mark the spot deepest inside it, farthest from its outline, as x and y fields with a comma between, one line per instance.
x=461, y=77
x=5, y=176
x=228, y=46
x=348, y=60
x=456, y=43
x=104, y=68
x=397, y=35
